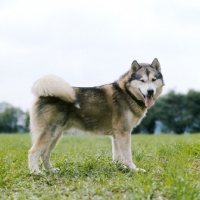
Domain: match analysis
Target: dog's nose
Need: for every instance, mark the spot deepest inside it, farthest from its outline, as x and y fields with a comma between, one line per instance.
x=150, y=92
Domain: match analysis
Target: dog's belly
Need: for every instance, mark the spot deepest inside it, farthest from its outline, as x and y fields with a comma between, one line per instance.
x=97, y=121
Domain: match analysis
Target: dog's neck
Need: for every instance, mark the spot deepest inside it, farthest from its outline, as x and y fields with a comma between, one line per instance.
x=121, y=87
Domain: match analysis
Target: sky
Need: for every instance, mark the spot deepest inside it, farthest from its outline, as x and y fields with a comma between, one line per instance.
x=93, y=42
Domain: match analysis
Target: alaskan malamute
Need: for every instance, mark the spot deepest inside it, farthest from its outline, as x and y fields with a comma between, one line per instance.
x=112, y=109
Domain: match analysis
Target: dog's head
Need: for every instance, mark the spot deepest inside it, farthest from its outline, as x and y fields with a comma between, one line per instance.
x=146, y=81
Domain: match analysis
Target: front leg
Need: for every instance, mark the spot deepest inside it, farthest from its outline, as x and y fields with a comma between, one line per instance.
x=123, y=141
x=116, y=150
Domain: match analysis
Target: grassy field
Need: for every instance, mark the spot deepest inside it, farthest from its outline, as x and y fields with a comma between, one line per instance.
x=87, y=171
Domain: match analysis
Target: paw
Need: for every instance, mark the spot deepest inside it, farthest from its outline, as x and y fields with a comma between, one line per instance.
x=37, y=173
x=54, y=170
x=133, y=167
x=139, y=169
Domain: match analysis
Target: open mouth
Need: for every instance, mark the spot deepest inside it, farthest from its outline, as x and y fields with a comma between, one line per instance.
x=148, y=100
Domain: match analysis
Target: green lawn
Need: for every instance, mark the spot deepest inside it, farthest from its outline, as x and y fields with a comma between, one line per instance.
x=87, y=171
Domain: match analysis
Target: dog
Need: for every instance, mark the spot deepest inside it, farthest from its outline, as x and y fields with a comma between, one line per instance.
x=111, y=109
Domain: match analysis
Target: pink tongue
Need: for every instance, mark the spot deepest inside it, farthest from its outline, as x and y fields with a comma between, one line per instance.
x=148, y=101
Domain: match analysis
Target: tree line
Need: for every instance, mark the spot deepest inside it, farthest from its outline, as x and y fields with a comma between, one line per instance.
x=172, y=113
x=13, y=120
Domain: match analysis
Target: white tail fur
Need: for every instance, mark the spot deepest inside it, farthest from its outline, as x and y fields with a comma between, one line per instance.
x=53, y=86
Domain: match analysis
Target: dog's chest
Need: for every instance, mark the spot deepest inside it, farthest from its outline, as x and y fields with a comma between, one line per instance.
x=134, y=120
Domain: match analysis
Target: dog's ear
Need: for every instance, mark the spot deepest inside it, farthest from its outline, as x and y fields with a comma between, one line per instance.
x=135, y=66
x=156, y=65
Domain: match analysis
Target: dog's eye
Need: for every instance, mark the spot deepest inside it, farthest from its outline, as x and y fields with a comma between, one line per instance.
x=142, y=81
x=153, y=79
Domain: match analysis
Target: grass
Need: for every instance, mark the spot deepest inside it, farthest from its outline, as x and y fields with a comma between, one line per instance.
x=87, y=171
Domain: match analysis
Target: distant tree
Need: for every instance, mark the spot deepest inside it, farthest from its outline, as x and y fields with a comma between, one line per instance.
x=27, y=122
x=11, y=120
x=171, y=111
x=8, y=120
x=192, y=104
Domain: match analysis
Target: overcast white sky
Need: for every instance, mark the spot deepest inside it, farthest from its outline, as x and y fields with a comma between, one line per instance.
x=93, y=42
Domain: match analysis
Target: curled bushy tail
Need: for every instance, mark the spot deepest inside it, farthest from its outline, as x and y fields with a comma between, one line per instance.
x=53, y=86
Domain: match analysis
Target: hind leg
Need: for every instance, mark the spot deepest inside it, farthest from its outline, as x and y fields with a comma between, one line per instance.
x=42, y=146
x=36, y=150
x=45, y=157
